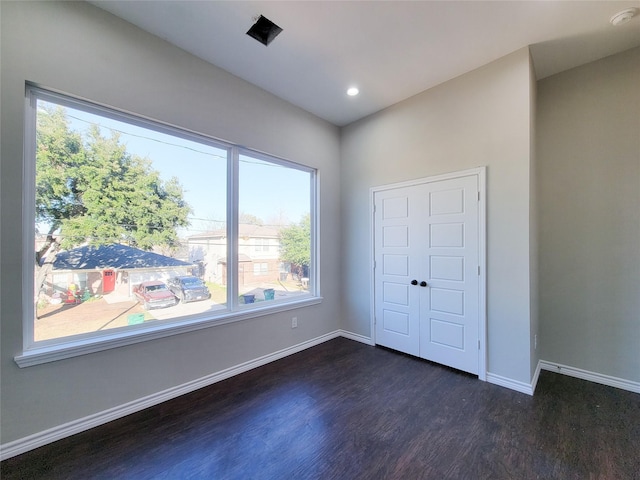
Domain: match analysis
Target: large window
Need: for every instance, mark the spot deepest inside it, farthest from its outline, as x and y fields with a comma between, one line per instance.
x=139, y=225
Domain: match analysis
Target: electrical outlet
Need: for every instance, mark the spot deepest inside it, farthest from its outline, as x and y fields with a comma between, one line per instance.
x=294, y=322
x=535, y=342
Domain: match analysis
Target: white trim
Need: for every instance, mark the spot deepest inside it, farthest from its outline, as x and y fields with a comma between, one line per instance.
x=233, y=227
x=435, y=178
x=480, y=172
x=130, y=336
x=59, y=432
x=372, y=264
x=315, y=232
x=28, y=227
x=536, y=376
x=37, y=352
x=357, y=337
x=608, y=380
x=482, y=263
x=516, y=385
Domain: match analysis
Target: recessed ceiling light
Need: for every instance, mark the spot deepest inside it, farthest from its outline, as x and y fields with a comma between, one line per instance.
x=623, y=17
x=353, y=91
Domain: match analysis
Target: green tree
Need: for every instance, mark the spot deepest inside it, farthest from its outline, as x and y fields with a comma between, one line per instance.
x=92, y=191
x=295, y=244
x=59, y=153
x=123, y=199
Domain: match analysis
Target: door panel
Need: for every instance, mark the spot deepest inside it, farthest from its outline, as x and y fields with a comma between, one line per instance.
x=449, y=305
x=395, y=236
x=395, y=322
x=395, y=265
x=447, y=268
x=446, y=202
x=396, y=293
x=429, y=233
x=447, y=301
x=447, y=334
x=447, y=235
x=396, y=300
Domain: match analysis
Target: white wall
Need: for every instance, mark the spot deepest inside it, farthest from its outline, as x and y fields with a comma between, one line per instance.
x=79, y=49
x=480, y=118
x=589, y=206
x=567, y=203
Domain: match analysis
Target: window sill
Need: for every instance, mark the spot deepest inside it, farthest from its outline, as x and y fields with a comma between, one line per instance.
x=51, y=353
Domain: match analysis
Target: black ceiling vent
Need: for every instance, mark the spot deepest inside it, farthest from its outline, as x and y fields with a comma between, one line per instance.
x=264, y=30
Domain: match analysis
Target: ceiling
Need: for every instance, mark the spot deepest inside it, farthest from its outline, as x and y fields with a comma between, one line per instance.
x=390, y=50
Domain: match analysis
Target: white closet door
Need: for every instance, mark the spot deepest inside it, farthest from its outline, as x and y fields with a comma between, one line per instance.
x=426, y=279
x=397, y=214
x=449, y=305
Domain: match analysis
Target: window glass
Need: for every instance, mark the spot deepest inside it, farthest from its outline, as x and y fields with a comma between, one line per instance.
x=125, y=206
x=135, y=224
x=275, y=218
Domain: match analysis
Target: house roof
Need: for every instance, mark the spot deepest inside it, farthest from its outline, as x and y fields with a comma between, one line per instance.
x=242, y=258
x=112, y=256
x=244, y=230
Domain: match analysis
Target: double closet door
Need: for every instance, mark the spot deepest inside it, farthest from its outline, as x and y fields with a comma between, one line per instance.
x=426, y=270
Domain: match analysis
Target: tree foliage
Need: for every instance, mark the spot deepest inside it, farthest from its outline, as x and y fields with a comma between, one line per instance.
x=295, y=244
x=91, y=190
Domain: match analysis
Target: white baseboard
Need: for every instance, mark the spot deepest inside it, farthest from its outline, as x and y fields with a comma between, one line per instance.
x=59, y=432
x=536, y=376
x=516, y=385
x=591, y=376
x=31, y=442
x=356, y=336
x=491, y=377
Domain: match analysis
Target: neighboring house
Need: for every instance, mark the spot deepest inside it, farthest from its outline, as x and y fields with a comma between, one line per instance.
x=258, y=255
x=110, y=269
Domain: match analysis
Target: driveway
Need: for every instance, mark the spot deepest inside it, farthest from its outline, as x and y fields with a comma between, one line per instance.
x=55, y=321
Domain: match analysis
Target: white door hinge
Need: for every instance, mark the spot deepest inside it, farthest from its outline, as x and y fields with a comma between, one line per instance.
x=478, y=344
x=478, y=269
x=478, y=196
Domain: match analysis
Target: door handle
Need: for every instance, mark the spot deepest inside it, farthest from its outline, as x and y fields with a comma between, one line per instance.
x=423, y=283
x=414, y=282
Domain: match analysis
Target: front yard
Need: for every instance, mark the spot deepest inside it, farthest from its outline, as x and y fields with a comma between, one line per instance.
x=63, y=320
x=55, y=321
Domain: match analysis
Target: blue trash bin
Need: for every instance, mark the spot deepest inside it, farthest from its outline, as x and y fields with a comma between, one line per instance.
x=269, y=293
x=249, y=298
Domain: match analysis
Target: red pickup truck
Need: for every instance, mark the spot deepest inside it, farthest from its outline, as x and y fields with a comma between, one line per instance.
x=154, y=294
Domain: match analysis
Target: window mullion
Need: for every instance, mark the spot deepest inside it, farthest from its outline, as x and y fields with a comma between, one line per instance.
x=232, y=228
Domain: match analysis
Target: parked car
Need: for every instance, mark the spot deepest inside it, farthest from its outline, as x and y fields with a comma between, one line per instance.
x=154, y=294
x=189, y=288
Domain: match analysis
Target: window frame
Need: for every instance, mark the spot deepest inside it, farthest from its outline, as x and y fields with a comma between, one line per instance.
x=43, y=351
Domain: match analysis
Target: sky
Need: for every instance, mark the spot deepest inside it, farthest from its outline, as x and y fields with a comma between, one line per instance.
x=267, y=190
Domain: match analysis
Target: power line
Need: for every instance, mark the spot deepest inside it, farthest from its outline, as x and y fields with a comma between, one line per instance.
x=242, y=160
x=150, y=138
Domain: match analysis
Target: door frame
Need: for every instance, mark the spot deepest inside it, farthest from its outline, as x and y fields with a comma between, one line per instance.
x=480, y=172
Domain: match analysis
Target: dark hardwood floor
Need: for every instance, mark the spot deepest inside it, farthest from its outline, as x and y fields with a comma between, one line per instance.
x=343, y=410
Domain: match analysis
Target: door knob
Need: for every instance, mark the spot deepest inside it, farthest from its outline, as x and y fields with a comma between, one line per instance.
x=414, y=282
x=423, y=283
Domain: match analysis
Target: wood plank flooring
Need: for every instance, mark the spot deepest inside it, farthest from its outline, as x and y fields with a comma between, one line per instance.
x=344, y=410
